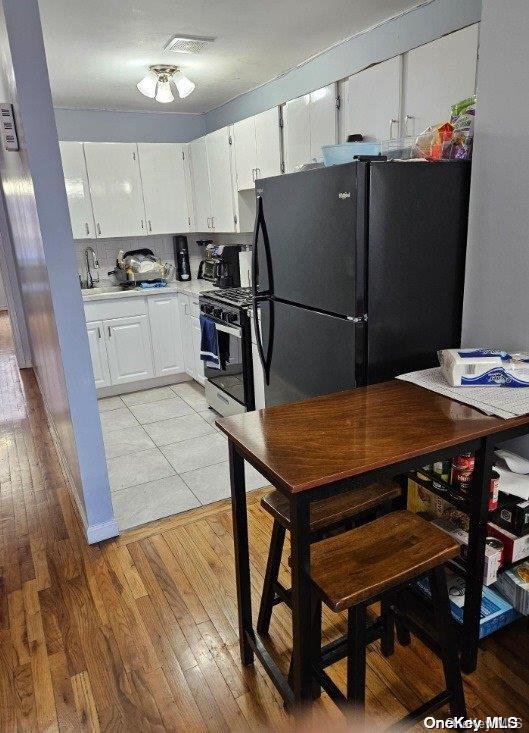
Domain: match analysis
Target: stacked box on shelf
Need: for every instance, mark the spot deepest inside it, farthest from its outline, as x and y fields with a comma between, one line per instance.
x=513, y=584
x=496, y=611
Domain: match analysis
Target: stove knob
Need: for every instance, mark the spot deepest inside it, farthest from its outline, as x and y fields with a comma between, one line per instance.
x=217, y=312
x=231, y=317
x=208, y=308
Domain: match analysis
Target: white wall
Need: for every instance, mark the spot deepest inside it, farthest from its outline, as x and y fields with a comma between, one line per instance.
x=496, y=305
x=496, y=308
x=35, y=199
x=92, y=125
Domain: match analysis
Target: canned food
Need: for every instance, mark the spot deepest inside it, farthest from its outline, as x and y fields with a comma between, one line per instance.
x=494, y=490
x=465, y=460
x=442, y=469
x=462, y=478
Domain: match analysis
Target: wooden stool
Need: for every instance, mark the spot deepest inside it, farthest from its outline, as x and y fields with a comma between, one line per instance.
x=328, y=515
x=372, y=563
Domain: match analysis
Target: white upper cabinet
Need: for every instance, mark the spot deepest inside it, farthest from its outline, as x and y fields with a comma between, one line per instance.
x=372, y=101
x=296, y=132
x=257, y=142
x=268, y=143
x=164, y=187
x=309, y=122
x=437, y=75
x=245, y=153
x=218, y=145
x=115, y=189
x=323, y=120
x=201, y=189
x=189, y=187
x=77, y=190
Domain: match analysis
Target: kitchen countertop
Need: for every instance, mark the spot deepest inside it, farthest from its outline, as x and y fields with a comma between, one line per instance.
x=111, y=292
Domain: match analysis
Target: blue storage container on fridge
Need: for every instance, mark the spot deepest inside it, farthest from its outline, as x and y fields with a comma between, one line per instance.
x=346, y=152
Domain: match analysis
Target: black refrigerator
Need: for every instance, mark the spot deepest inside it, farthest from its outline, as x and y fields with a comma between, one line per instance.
x=358, y=273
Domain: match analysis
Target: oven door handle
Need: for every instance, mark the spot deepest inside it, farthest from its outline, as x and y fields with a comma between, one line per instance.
x=231, y=330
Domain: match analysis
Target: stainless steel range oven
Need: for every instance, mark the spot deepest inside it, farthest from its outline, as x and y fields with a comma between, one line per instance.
x=229, y=389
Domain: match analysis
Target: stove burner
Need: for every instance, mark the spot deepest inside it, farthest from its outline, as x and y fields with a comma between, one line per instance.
x=233, y=296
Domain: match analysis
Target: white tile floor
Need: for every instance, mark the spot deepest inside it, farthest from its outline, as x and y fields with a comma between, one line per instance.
x=164, y=454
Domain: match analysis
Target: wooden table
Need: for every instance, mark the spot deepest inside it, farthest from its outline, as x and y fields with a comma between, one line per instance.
x=310, y=450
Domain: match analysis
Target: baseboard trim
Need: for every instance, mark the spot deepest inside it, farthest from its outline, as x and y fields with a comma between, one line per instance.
x=119, y=389
x=99, y=532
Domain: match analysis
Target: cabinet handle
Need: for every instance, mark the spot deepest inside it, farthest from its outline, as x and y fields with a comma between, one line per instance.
x=213, y=222
x=253, y=174
x=98, y=332
x=109, y=332
x=142, y=224
x=87, y=228
x=392, y=122
x=186, y=309
x=150, y=225
x=99, y=228
x=257, y=173
x=406, y=120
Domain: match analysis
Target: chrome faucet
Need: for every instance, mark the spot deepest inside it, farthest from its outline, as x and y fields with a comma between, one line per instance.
x=92, y=279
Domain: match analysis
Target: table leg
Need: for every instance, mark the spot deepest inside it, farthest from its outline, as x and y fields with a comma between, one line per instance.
x=242, y=553
x=477, y=533
x=301, y=597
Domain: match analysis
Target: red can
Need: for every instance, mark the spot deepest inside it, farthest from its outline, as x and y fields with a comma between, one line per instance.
x=465, y=460
x=493, y=490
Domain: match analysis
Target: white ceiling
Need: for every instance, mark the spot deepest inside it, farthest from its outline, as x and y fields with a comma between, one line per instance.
x=98, y=50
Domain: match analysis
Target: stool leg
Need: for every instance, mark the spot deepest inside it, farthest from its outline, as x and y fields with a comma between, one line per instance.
x=356, y=658
x=387, y=640
x=316, y=639
x=271, y=575
x=447, y=642
x=403, y=634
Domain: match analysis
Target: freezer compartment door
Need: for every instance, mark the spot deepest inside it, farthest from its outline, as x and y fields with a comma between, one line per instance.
x=417, y=244
x=311, y=353
x=310, y=222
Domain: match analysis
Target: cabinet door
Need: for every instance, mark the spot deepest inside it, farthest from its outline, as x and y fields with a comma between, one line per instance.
x=199, y=364
x=77, y=190
x=437, y=75
x=115, y=188
x=188, y=175
x=98, y=352
x=164, y=187
x=268, y=143
x=129, y=348
x=187, y=336
x=245, y=153
x=372, y=101
x=166, y=336
x=296, y=133
x=219, y=165
x=201, y=191
x=258, y=380
x=323, y=120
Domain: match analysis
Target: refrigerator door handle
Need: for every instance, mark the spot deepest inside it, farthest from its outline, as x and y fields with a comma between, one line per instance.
x=260, y=225
x=265, y=359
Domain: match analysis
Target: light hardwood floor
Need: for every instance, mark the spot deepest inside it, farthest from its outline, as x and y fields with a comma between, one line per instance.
x=140, y=633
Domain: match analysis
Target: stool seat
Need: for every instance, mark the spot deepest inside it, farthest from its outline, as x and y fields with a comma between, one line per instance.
x=360, y=564
x=335, y=509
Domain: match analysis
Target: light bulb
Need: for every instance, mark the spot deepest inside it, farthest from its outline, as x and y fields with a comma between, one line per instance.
x=184, y=85
x=147, y=85
x=164, y=93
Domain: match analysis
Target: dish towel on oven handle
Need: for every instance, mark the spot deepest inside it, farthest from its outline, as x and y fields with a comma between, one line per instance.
x=209, y=342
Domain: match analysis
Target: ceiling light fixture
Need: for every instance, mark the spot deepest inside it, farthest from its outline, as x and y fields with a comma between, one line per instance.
x=157, y=84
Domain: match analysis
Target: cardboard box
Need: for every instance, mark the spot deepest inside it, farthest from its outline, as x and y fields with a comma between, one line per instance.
x=496, y=611
x=493, y=556
x=514, y=548
x=420, y=500
x=513, y=515
x=513, y=584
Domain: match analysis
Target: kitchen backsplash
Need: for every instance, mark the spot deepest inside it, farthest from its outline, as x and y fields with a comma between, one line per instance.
x=162, y=246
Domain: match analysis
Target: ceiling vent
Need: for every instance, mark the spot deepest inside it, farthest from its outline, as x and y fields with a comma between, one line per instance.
x=188, y=44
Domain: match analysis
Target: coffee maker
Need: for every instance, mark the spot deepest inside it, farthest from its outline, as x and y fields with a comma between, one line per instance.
x=181, y=252
x=220, y=265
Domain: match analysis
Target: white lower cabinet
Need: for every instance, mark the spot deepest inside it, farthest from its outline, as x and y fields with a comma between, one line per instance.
x=129, y=349
x=166, y=335
x=187, y=334
x=98, y=352
x=199, y=364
